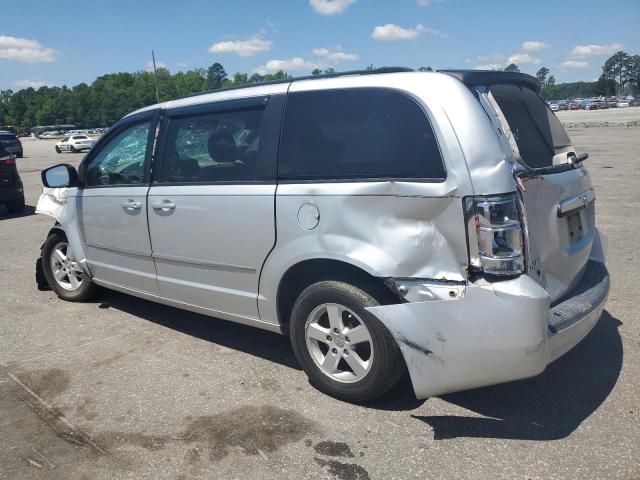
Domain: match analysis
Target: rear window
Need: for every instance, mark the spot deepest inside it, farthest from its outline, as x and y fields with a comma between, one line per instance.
x=357, y=134
x=538, y=133
x=79, y=137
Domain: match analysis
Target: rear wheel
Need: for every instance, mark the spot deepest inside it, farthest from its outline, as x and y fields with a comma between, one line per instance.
x=62, y=271
x=345, y=351
x=73, y=149
x=15, y=206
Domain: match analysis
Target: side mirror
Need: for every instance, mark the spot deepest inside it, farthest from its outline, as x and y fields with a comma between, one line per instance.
x=59, y=176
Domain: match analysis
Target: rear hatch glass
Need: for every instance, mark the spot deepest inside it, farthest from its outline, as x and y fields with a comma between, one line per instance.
x=558, y=197
x=539, y=135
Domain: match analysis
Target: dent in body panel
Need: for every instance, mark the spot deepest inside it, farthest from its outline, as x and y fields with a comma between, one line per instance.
x=373, y=226
x=61, y=204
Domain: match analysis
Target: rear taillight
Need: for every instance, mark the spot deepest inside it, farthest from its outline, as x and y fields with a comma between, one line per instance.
x=495, y=234
x=10, y=160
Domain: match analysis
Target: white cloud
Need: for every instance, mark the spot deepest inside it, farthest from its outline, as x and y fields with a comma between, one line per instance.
x=149, y=66
x=534, y=46
x=182, y=64
x=288, y=65
x=244, y=48
x=490, y=66
x=24, y=50
x=336, y=55
x=36, y=84
x=330, y=7
x=496, y=57
x=326, y=57
x=392, y=32
x=426, y=3
x=522, y=58
x=574, y=64
x=581, y=51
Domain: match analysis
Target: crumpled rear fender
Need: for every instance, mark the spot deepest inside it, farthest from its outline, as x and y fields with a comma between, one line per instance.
x=495, y=333
x=62, y=204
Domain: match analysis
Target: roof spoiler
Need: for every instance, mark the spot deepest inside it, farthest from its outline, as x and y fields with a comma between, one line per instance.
x=472, y=78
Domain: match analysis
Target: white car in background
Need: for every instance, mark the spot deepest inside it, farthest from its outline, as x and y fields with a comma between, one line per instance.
x=75, y=143
x=622, y=103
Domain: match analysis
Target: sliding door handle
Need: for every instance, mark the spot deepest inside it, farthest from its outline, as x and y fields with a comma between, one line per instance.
x=164, y=206
x=131, y=205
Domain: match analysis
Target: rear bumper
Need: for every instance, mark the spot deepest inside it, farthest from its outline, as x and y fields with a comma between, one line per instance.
x=497, y=332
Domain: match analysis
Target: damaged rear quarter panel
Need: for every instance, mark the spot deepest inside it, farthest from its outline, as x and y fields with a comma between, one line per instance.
x=388, y=229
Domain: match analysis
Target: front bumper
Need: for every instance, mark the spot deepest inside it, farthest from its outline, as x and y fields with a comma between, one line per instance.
x=497, y=332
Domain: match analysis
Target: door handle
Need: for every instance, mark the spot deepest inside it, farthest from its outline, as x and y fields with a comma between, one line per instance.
x=132, y=205
x=164, y=206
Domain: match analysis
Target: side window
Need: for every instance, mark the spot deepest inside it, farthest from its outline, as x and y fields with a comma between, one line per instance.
x=212, y=147
x=121, y=160
x=357, y=134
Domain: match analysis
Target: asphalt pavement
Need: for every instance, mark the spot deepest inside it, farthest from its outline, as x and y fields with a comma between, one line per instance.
x=122, y=388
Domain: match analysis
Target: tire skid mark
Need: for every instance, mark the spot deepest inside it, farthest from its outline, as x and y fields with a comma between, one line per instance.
x=64, y=429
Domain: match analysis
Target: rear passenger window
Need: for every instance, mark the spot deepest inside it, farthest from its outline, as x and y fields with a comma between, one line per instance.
x=212, y=147
x=357, y=134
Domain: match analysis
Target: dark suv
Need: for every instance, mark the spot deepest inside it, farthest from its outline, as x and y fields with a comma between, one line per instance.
x=11, y=143
x=11, y=191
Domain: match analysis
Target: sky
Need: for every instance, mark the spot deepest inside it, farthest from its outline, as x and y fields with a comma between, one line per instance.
x=49, y=43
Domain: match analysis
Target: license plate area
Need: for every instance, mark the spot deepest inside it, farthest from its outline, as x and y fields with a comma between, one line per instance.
x=576, y=230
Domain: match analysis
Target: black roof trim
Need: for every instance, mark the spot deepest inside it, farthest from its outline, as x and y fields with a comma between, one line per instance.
x=372, y=71
x=472, y=78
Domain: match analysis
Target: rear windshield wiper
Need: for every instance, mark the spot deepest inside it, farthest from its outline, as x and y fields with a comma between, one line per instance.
x=577, y=160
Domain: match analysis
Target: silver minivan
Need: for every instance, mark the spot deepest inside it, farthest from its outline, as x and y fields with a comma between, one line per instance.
x=388, y=221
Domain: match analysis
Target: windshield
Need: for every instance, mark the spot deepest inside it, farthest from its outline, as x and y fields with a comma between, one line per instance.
x=541, y=140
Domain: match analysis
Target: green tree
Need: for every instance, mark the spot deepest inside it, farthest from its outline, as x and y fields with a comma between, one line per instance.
x=549, y=88
x=316, y=72
x=512, y=68
x=425, y=69
x=541, y=74
x=215, y=76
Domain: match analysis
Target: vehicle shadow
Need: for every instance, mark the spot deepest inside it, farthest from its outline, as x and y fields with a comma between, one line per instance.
x=254, y=341
x=28, y=211
x=547, y=407
x=260, y=343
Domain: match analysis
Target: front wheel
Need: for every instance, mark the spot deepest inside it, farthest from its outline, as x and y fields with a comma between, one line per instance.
x=58, y=149
x=345, y=351
x=62, y=271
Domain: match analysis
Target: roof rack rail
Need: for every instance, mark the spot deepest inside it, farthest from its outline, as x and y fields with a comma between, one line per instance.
x=371, y=71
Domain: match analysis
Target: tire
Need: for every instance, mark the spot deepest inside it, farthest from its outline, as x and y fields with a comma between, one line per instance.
x=380, y=352
x=15, y=206
x=64, y=287
x=58, y=149
x=73, y=149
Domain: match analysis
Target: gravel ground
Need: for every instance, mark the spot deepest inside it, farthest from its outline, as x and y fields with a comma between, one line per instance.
x=124, y=388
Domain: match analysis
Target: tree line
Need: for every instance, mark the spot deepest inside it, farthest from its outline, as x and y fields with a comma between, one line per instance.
x=112, y=96
x=620, y=76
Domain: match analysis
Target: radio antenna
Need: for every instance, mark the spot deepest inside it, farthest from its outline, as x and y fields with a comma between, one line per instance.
x=155, y=75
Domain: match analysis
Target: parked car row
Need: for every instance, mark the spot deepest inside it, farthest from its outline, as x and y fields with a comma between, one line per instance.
x=599, y=103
